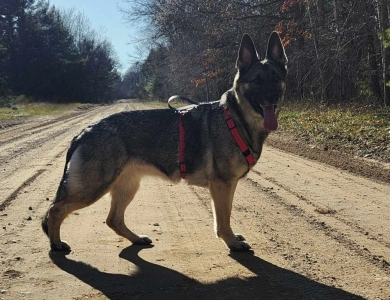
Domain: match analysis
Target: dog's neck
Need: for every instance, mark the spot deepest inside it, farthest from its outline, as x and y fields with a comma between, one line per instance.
x=250, y=125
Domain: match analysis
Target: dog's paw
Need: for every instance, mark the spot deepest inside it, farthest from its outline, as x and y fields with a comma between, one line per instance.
x=63, y=246
x=240, y=245
x=142, y=240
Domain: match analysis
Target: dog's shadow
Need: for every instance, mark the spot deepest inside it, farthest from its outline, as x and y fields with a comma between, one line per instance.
x=153, y=281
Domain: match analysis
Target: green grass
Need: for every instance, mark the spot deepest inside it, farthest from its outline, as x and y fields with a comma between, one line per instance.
x=156, y=103
x=21, y=107
x=34, y=109
x=364, y=130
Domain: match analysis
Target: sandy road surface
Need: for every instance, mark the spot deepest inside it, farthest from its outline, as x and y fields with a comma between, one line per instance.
x=316, y=232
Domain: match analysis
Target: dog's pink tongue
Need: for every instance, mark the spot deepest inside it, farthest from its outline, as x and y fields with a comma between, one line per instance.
x=270, y=120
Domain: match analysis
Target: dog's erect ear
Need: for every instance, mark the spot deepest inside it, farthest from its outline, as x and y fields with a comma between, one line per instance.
x=275, y=49
x=247, y=55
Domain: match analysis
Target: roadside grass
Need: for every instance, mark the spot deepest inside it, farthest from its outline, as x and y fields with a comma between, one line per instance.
x=156, y=103
x=364, y=130
x=21, y=107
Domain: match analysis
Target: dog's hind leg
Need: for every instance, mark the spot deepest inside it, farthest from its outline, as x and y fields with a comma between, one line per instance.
x=81, y=186
x=222, y=194
x=54, y=217
x=62, y=206
x=122, y=192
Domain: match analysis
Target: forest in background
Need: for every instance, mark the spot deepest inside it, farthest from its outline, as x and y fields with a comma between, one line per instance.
x=338, y=50
x=53, y=55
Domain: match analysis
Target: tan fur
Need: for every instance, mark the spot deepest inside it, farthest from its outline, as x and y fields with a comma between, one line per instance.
x=222, y=194
x=74, y=169
x=122, y=192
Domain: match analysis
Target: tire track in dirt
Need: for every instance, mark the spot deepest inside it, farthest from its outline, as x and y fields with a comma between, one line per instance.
x=336, y=231
x=330, y=192
x=8, y=135
x=324, y=211
x=289, y=236
x=19, y=144
x=26, y=183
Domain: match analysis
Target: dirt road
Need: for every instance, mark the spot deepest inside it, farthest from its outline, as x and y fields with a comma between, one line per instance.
x=316, y=232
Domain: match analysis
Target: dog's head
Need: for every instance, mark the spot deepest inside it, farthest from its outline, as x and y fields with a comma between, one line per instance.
x=261, y=83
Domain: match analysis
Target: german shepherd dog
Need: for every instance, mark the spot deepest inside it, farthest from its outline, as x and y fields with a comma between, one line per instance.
x=114, y=154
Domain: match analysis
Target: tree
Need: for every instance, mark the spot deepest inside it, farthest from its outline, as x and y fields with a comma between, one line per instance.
x=383, y=7
x=335, y=48
x=12, y=13
x=44, y=53
x=201, y=38
x=53, y=55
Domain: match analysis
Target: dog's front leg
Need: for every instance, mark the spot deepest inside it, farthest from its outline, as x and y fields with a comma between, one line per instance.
x=222, y=194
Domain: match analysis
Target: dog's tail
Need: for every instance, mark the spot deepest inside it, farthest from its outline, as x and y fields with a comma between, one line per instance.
x=62, y=190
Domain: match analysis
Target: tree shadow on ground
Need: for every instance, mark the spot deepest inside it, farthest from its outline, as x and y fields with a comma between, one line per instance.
x=153, y=281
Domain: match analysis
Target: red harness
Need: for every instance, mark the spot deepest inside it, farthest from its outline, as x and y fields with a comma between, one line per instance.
x=233, y=130
x=182, y=164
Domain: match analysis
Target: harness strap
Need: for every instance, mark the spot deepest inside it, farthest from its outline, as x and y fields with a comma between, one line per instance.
x=238, y=138
x=233, y=130
x=182, y=164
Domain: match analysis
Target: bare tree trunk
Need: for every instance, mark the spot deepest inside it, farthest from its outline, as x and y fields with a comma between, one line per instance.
x=382, y=21
x=301, y=64
x=373, y=61
x=373, y=46
x=318, y=59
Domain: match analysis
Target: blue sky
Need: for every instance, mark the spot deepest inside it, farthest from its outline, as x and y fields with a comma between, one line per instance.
x=104, y=14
